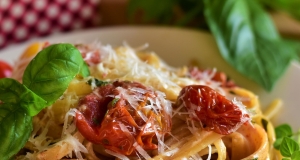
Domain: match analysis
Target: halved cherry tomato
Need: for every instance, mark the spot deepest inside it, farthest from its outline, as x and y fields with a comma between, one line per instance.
x=214, y=111
x=5, y=69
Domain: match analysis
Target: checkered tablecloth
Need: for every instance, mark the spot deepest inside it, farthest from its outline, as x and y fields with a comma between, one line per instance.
x=23, y=19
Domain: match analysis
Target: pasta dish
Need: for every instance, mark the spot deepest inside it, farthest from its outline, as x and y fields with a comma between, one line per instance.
x=134, y=106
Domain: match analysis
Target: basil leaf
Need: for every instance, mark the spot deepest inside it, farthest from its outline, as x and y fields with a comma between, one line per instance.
x=296, y=155
x=248, y=40
x=98, y=83
x=15, y=129
x=162, y=11
x=288, y=6
x=50, y=72
x=283, y=130
x=84, y=70
x=191, y=14
x=288, y=146
x=294, y=45
x=277, y=143
x=16, y=94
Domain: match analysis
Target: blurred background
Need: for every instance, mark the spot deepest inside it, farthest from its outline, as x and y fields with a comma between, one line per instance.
x=21, y=20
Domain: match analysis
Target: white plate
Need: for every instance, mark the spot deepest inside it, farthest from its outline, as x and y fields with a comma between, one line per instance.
x=178, y=47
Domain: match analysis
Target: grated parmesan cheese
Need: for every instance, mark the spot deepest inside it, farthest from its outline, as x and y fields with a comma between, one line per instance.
x=123, y=63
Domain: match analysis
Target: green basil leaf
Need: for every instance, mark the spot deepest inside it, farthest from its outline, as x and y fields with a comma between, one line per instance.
x=191, y=14
x=161, y=11
x=84, y=70
x=50, y=72
x=14, y=93
x=283, y=130
x=98, y=83
x=288, y=147
x=15, y=129
x=298, y=136
x=277, y=143
x=188, y=5
x=288, y=6
x=296, y=155
x=293, y=44
x=248, y=40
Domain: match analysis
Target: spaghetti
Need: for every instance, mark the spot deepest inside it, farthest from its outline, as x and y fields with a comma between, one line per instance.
x=134, y=106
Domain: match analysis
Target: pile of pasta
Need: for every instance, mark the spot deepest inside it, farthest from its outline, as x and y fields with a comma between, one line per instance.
x=56, y=135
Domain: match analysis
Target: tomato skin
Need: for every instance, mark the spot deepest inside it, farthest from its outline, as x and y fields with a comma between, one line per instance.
x=213, y=110
x=5, y=69
x=85, y=128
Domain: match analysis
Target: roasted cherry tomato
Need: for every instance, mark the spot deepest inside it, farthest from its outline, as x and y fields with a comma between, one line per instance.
x=214, y=111
x=5, y=69
x=121, y=114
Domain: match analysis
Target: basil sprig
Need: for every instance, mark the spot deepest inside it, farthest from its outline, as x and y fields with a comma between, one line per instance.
x=45, y=79
x=287, y=142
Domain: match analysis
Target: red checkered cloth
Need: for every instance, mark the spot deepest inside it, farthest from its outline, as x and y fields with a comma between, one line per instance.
x=22, y=19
